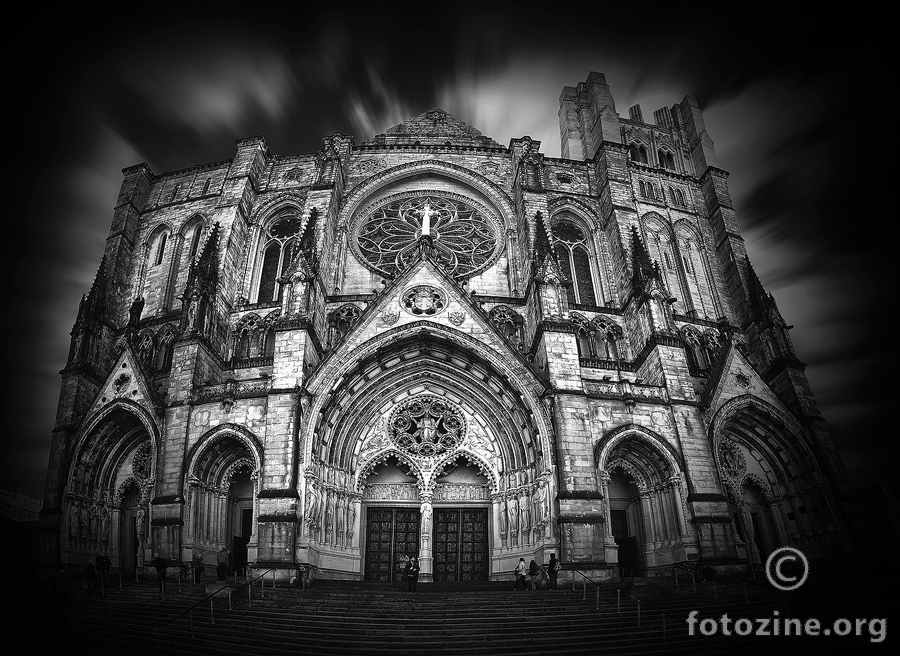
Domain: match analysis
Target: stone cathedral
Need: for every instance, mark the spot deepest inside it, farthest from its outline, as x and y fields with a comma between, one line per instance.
x=430, y=343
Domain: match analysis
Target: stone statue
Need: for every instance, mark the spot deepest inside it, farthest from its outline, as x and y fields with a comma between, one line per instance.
x=104, y=524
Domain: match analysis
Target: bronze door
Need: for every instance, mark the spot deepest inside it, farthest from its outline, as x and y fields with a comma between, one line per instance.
x=391, y=534
x=460, y=544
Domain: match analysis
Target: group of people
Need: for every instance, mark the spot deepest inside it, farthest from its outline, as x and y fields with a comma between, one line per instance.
x=97, y=570
x=411, y=573
x=532, y=571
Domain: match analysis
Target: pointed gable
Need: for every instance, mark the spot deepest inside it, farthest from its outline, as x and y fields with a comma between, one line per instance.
x=433, y=128
x=126, y=380
x=424, y=291
x=735, y=376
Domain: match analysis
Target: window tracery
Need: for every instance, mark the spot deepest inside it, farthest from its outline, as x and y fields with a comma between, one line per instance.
x=426, y=426
x=464, y=237
x=510, y=324
x=279, y=243
x=574, y=255
x=341, y=320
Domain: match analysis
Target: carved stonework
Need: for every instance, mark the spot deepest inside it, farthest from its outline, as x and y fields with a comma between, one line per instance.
x=423, y=300
x=456, y=318
x=392, y=492
x=426, y=426
x=390, y=318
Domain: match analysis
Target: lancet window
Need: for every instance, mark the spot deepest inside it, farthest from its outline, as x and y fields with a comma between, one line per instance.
x=574, y=256
x=278, y=246
x=638, y=153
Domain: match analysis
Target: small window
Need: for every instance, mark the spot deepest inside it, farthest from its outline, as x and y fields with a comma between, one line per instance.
x=160, y=248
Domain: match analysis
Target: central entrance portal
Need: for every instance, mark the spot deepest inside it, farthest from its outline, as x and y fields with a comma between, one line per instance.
x=391, y=534
x=460, y=544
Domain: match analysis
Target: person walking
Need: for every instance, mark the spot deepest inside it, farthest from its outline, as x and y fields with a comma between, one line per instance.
x=222, y=563
x=412, y=574
x=521, y=571
x=160, y=565
x=533, y=572
x=553, y=570
x=103, y=565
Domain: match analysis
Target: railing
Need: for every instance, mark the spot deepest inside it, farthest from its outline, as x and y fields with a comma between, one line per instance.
x=599, y=586
x=190, y=611
x=104, y=596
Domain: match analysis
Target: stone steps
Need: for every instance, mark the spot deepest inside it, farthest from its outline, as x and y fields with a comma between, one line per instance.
x=347, y=618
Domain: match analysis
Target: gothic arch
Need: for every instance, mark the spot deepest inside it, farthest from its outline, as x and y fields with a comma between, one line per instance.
x=483, y=185
x=607, y=444
x=206, y=441
x=263, y=215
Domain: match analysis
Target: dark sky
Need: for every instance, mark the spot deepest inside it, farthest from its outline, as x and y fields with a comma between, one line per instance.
x=796, y=108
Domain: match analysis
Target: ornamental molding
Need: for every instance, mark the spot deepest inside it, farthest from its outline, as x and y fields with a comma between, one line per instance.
x=370, y=186
x=423, y=301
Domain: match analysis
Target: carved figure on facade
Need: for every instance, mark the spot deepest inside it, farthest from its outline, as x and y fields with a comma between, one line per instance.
x=513, y=506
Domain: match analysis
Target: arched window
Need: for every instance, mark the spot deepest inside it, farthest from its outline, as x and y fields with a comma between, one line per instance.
x=510, y=324
x=696, y=354
x=585, y=336
x=575, y=258
x=165, y=346
x=160, y=248
x=606, y=338
x=195, y=241
x=341, y=320
x=278, y=244
x=246, y=338
x=666, y=159
x=638, y=153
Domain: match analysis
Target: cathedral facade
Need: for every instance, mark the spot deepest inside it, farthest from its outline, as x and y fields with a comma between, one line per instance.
x=429, y=343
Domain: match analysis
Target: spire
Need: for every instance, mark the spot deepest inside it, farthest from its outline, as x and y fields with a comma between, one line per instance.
x=93, y=305
x=760, y=300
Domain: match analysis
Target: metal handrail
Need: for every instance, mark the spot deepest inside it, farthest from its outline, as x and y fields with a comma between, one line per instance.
x=209, y=597
x=103, y=597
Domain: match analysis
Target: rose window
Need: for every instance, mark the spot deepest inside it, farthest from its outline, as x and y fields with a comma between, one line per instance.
x=462, y=235
x=426, y=426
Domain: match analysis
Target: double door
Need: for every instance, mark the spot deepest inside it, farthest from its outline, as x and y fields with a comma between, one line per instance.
x=460, y=544
x=391, y=535
x=459, y=548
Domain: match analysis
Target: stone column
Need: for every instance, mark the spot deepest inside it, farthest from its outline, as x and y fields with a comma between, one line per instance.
x=426, y=559
x=679, y=509
x=610, y=548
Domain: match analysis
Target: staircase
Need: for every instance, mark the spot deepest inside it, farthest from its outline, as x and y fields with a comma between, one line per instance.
x=333, y=617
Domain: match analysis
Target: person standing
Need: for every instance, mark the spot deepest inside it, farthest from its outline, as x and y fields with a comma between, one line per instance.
x=412, y=574
x=197, y=567
x=160, y=565
x=103, y=565
x=521, y=571
x=222, y=563
x=553, y=570
x=533, y=573
x=90, y=576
